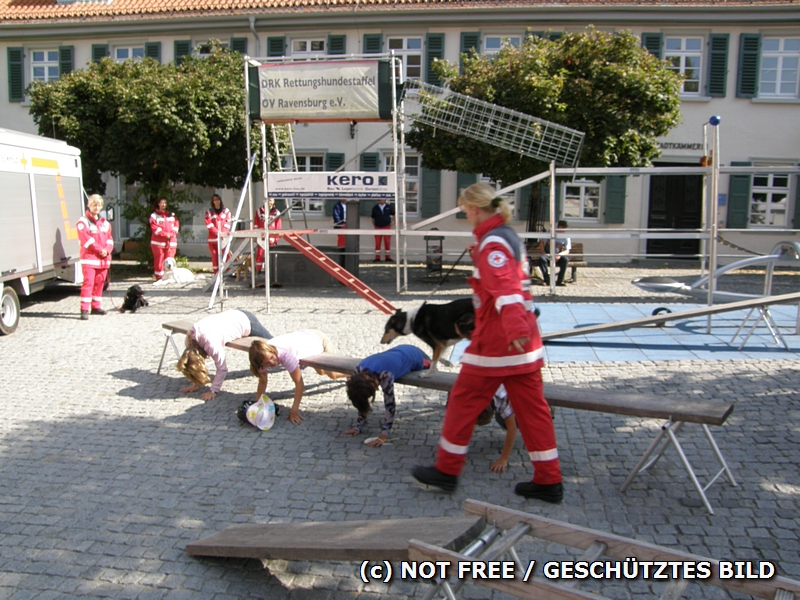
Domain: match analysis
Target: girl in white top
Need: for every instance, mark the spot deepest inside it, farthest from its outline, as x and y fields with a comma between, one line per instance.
x=287, y=350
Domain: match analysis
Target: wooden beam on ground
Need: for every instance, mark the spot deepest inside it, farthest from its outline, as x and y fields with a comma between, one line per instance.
x=677, y=316
x=341, y=540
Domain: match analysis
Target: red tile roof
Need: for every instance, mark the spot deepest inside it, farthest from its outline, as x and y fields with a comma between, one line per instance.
x=18, y=11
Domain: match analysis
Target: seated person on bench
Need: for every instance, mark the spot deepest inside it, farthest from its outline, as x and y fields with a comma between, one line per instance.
x=381, y=370
x=563, y=246
x=287, y=350
x=207, y=338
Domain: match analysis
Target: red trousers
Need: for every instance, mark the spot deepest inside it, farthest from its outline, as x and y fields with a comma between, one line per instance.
x=160, y=254
x=92, y=286
x=472, y=393
x=387, y=243
x=212, y=247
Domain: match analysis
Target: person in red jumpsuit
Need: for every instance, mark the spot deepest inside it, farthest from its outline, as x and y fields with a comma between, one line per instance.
x=275, y=223
x=164, y=226
x=218, y=220
x=506, y=348
x=97, y=244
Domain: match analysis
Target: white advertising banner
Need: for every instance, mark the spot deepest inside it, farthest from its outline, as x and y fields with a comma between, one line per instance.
x=361, y=184
x=319, y=91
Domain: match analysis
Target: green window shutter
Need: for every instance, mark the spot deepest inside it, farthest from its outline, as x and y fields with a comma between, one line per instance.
x=276, y=46
x=16, y=78
x=66, y=60
x=739, y=198
x=337, y=44
x=796, y=219
x=470, y=40
x=368, y=161
x=434, y=48
x=652, y=43
x=749, y=59
x=717, y=64
x=333, y=160
x=463, y=181
x=239, y=44
x=431, y=193
x=524, y=202
x=182, y=48
x=153, y=50
x=99, y=52
x=544, y=203
x=615, y=199
x=373, y=43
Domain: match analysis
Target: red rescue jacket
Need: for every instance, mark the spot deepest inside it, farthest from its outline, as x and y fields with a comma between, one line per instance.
x=165, y=227
x=95, y=236
x=217, y=222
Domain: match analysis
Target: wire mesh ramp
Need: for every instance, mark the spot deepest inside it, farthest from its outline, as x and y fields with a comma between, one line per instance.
x=493, y=561
x=483, y=121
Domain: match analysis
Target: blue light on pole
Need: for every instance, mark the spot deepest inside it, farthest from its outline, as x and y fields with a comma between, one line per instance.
x=715, y=120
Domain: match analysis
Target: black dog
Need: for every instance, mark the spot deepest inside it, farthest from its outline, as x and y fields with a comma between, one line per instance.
x=438, y=325
x=134, y=299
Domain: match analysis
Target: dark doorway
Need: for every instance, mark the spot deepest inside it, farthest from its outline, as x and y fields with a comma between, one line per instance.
x=676, y=202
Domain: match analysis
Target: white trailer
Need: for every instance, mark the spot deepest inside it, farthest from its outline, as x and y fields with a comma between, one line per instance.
x=40, y=203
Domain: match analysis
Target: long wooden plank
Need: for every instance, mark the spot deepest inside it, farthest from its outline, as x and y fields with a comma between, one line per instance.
x=686, y=314
x=619, y=548
x=340, y=540
x=183, y=327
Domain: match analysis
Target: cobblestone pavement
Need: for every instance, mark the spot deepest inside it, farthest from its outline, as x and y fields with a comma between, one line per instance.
x=107, y=471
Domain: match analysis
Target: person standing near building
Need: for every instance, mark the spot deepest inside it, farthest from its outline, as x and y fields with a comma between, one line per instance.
x=563, y=246
x=505, y=348
x=218, y=220
x=274, y=223
x=97, y=244
x=164, y=226
x=383, y=218
x=340, y=219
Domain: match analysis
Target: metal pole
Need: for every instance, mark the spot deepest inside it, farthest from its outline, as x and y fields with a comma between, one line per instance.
x=552, y=226
x=712, y=242
x=264, y=169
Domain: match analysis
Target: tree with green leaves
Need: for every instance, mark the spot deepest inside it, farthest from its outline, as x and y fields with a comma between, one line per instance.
x=158, y=126
x=603, y=84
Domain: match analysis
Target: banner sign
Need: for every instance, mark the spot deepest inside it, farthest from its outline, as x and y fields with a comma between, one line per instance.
x=360, y=184
x=318, y=91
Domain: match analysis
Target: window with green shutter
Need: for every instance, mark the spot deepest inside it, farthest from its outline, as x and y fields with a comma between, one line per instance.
x=153, y=50
x=182, y=48
x=749, y=58
x=615, y=199
x=99, y=52
x=431, y=196
x=16, y=77
x=434, y=48
x=337, y=44
x=239, y=44
x=65, y=60
x=524, y=202
x=739, y=198
x=652, y=43
x=470, y=40
x=373, y=43
x=463, y=181
x=717, y=64
x=276, y=46
x=368, y=161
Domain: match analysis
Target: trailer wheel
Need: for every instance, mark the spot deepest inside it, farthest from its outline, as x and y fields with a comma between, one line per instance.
x=9, y=311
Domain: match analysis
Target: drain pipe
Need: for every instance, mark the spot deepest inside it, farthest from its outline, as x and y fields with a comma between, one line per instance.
x=255, y=35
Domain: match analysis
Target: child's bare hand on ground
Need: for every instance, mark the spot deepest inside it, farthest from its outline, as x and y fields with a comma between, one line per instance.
x=499, y=466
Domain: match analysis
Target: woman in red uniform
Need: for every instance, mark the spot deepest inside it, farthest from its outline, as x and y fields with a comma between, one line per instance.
x=164, y=226
x=97, y=244
x=505, y=348
x=275, y=223
x=218, y=220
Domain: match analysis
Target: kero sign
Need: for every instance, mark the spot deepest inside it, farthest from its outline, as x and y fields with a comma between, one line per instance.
x=361, y=184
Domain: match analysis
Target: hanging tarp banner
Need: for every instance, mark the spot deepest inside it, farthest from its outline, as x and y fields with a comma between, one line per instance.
x=318, y=91
x=360, y=184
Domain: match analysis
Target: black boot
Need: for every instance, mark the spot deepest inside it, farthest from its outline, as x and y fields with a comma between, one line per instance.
x=84, y=315
x=549, y=493
x=433, y=476
x=98, y=311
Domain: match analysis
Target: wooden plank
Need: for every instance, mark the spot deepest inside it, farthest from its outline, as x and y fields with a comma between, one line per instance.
x=619, y=548
x=183, y=327
x=686, y=314
x=341, y=540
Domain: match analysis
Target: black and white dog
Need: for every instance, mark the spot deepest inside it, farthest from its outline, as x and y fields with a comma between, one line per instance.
x=438, y=325
x=134, y=299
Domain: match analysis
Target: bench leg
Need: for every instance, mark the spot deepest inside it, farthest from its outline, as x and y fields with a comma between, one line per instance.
x=574, y=274
x=169, y=339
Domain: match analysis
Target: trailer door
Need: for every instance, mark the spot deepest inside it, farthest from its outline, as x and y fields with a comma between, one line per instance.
x=17, y=250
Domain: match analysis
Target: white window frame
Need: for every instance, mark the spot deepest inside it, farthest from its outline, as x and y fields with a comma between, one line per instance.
x=405, y=52
x=413, y=179
x=131, y=49
x=308, y=54
x=764, y=186
x=47, y=63
x=580, y=199
x=680, y=57
x=310, y=161
x=784, y=63
x=502, y=41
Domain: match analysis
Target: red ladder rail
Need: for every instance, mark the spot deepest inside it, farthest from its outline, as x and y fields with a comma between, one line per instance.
x=355, y=284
